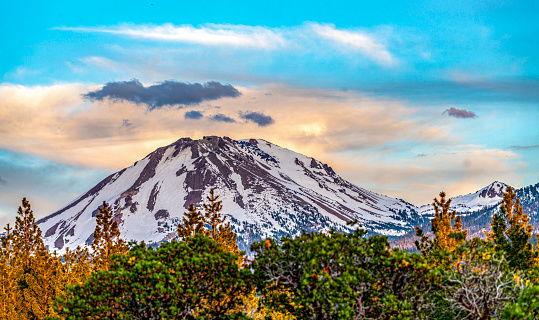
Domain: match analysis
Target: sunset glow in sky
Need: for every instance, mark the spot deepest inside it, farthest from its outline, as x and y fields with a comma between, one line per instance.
x=404, y=98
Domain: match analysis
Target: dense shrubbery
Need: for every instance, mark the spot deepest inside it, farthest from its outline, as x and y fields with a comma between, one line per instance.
x=327, y=275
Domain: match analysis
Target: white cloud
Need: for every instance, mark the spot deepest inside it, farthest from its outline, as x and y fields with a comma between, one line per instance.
x=361, y=42
x=209, y=34
x=307, y=37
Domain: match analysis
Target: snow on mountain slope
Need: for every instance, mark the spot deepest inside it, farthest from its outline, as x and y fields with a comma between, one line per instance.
x=486, y=197
x=267, y=191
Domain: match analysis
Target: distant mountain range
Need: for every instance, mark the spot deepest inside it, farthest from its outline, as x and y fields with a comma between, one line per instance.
x=267, y=191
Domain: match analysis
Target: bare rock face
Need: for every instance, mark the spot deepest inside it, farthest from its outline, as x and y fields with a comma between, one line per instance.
x=267, y=191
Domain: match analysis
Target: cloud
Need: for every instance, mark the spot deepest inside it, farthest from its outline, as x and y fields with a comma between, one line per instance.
x=257, y=117
x=222, y=118
x=360, y=138
x=126, y=123
x=72, y=130
x=419, y=179
x=460, y=113
x=193, y=115
x=361, y=42
x=2, y=181
x=208, y=34
x=524, y=147
x=308, y=37
x=166, y=93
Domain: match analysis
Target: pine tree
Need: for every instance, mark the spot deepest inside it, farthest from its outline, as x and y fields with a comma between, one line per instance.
x=107, y=241
x=446, y=227
x=39, y=278
x=77, y=265
x=220, y=231
x=8, y=277
x=193, y=223
x=27, y=239
x=511, y=232
x=31, y=278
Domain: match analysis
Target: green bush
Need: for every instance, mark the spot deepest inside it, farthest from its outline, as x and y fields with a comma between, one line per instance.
x=341, y=276
x=195, y=279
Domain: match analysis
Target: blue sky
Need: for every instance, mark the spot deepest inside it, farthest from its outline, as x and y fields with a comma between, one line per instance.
x=404, y=98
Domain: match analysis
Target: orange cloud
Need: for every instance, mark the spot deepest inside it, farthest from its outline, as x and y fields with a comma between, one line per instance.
x=355, y=134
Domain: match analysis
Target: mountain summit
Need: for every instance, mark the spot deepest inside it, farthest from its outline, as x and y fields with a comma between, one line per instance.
x=267, y=191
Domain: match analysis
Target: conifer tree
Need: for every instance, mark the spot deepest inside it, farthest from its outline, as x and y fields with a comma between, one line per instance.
x=511, y=232
x=220, y=231
x=193, y=223
x=38, y=273
x=8, y=277
x=107, y=241
x=27, y=239
x=31, y=278
x=77, y=265
x=446, y=227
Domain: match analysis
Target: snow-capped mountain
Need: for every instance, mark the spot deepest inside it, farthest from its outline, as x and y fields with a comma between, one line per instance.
x=267, y=191
x=476, y=210
x=486, y=197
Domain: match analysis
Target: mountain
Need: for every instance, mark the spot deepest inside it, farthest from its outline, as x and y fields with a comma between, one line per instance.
x=267, y=191
x=486, y=197
x=476, y=210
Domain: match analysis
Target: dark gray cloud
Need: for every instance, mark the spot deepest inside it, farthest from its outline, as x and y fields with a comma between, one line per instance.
x=2, y=181
x=524, y=147
x=257, y=117
x=193, y=115
x=460, y=113
x=163, y=94
x=127, y=123
x=223, y=118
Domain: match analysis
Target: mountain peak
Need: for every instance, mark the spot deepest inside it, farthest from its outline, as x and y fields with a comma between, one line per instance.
x=494, y=190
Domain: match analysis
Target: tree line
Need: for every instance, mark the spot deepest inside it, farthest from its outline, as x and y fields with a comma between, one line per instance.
x=319, y=275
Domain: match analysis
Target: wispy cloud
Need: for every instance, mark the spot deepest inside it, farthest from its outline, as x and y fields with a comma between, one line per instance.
x=126, y=123
x=525, y=147
x=307, y=37
x=460, y=113
x=361, y=42
x=209, y=34
x=166, y=93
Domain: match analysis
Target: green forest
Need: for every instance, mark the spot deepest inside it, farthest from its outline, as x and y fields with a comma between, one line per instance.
x=321, y=275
